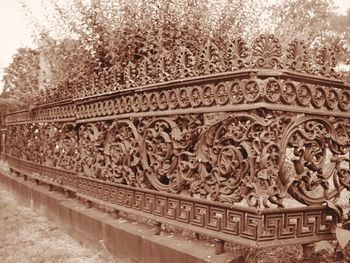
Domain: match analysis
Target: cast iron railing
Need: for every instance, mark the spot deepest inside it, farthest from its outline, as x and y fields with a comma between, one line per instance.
x=241, y=145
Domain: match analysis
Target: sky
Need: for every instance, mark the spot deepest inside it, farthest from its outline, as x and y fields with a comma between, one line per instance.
x=15, y=31
x=343, y=5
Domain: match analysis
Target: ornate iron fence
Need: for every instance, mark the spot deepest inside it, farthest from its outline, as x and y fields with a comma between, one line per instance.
x=243, y=145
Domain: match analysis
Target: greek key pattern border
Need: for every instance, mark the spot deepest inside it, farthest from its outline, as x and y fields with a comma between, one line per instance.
x=238, y=224
x=49, y=175
x=229, y=222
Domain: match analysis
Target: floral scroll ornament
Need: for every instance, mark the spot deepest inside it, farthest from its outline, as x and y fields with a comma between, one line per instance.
x=167, y=151
x=210, y=59
x=91, y=141
x=315, y=161
x=230, y=158
x=51, y=142
x=130, y=74
x=236, y=55
x=164, y=68
x=17, y=138
x=34, y=144
x=268, y=51
x=326, y=62
x=122, y=155
x=298, y=56
x=237, y=159
x=67, y=148
x=185, y=63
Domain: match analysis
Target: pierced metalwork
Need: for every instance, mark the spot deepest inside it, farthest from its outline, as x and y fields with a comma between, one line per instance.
x=218, y=140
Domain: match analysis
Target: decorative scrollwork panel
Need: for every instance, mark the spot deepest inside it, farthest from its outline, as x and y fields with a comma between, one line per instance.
x=316, y=158
x=252, y=158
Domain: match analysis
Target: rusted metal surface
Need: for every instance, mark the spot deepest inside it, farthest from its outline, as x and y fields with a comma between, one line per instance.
x=212, y=141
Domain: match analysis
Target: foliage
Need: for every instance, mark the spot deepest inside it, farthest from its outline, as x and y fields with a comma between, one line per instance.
x=21, y=77
x=105, y=35
x=341, y=26
x=83, y=38
x=110, y=33
x=61, y=61
x=317, y=22
x=303, y=19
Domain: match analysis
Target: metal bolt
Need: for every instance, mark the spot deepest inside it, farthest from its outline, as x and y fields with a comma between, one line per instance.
x=66, y=193
x=116, y=214
x=219, y=246
x=88, y=204
x=308, y=250
x=158, y=228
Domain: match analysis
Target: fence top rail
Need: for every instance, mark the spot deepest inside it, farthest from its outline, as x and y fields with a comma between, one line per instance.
x=200, y=80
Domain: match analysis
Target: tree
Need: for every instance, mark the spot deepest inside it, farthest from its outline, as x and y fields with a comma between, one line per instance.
x=340, y=24
x=316, y=22
x=103, y=35
x=62, y=61
x=100, y=37
x=307, y=19
x=21, y=77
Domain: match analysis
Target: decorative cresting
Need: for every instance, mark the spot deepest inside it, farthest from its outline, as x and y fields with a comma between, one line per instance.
x=162, y=65
x=218, y=141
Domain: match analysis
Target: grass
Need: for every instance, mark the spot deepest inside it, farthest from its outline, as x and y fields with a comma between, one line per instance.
x=26, y=236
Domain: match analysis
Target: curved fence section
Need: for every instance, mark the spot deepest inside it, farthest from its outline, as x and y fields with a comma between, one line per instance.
x=248, y=155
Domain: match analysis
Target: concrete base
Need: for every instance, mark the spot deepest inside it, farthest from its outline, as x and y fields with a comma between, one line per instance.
x=128, y=240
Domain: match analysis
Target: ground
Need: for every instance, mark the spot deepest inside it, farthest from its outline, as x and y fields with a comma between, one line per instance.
x=28, y=237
